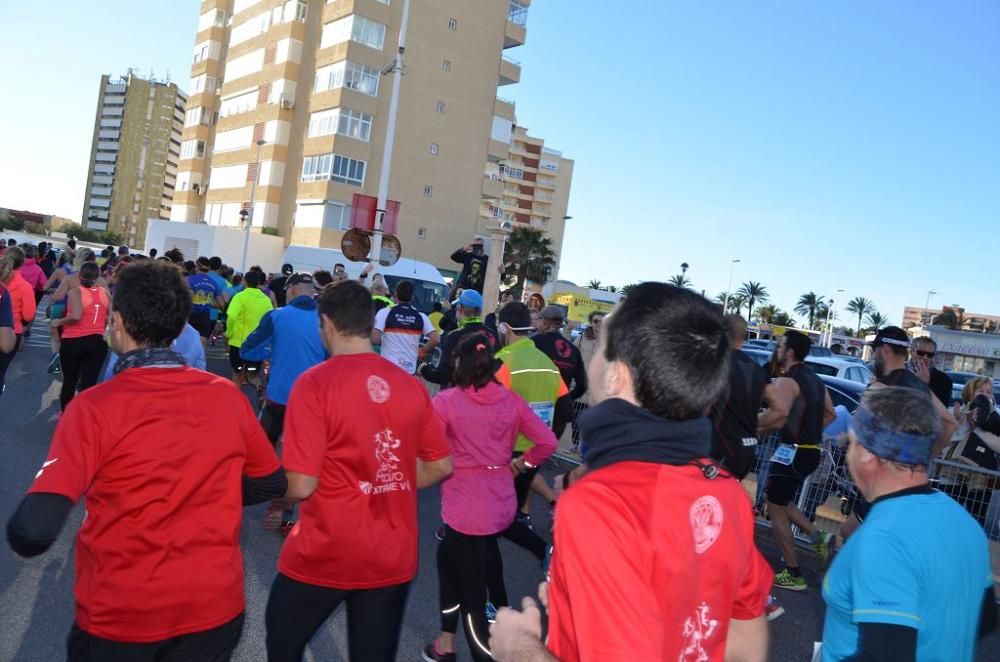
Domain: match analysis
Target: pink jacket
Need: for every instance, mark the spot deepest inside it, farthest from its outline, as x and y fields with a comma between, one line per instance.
x=33, y=273
x=482, y=426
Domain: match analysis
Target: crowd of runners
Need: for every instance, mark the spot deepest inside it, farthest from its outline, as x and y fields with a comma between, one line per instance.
x=652, y=555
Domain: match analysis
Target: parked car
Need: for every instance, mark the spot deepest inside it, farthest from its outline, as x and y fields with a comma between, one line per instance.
x=844, y=391
x=960, y=379
x=837, y=367
x=816, y=350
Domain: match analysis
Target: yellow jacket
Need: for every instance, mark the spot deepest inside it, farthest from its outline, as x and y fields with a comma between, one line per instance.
x=244, y=313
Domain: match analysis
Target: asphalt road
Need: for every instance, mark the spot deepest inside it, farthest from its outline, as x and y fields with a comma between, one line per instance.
x=36, y=595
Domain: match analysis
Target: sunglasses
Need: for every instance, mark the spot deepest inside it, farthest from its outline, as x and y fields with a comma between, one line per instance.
x=924, y=354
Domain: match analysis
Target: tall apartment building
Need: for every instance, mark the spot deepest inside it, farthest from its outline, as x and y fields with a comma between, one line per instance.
x=300, y=83
x=531, y=186
x=133, y=155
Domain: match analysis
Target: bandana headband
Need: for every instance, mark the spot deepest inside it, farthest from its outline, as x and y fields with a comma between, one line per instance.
x=889, y=444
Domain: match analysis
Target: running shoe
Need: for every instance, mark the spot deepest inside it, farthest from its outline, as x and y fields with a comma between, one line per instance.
x=491, y=612
x=55, y=367
x=286, y=527
x=824, y=547
x=773, y=609
x=785, y=579
x=432, y=654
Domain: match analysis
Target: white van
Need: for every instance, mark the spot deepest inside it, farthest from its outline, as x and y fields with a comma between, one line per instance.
x=430, y=286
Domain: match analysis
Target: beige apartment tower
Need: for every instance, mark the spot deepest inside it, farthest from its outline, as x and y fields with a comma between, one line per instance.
x=298, y=87
x=133, y=156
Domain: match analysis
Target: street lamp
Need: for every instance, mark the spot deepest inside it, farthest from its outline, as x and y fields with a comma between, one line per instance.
x=684, y=268
x=725, y=304
x=927, y=302
x=831, y=317
x=247, y=216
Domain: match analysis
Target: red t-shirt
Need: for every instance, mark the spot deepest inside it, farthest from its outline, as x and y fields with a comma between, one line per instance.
x=359, y=424
x=158, y=455
x=675, y=561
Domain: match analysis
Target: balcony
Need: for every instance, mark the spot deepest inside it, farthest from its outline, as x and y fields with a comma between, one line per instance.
x=493, y=187
x=514, y=35
x=505, y=109
x=497, y=151
x=510, y=71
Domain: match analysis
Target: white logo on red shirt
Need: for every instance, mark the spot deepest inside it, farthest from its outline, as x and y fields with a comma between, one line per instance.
x=378, y=389
x=706, y=522
x=45, y=464
x=697, y=629
x=388, y=477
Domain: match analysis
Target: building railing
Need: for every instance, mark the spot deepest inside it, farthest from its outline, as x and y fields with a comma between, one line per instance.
x=510, y=60
x=518, y=13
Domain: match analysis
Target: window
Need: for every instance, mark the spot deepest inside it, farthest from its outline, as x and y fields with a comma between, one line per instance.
x=440, y=106
x=202, y=83
x=434, y=148
x=240, y=102
x=452, y=24
x=429, y=191
x=347, y=74
x=334, y=167
x=343, y=121
x=354, y=28
x=301, y=10
x=518, y=12
x=336, y=215
x=193, y=149
x=200, y=52
x=446, y=65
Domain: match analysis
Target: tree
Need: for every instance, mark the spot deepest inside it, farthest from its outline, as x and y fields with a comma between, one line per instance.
x=752, y=293
x=736, y=303
x=781, y=318
x=627, y=289
x=948, y=318
x=877, y=320
x=680, y=280
x=809, y=304
x=77, y=231
x=111, y=238
x=860, y=306
x=594, y=284
x=766, y=313
x=528, y=256
x=822, y=313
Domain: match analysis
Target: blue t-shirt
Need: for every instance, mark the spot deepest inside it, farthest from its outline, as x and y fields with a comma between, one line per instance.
x=919, y=561
x=221, y=285
x=203, y=293
x=188, y=345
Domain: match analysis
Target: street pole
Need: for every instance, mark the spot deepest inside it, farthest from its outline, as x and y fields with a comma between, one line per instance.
x=725, y=304
x=927, y=302
x=249, y=221
x=831, y=317
x=494, y=267
x=390, y=138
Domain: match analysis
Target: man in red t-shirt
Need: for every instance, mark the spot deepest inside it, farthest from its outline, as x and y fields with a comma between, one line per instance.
x=159, y=574
x=654, y=555
x=360, y=438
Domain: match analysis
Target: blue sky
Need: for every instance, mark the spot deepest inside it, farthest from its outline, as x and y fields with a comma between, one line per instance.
x=849, y=145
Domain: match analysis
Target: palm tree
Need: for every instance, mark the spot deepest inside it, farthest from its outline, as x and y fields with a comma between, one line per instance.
x=680, y=280
x=627, y=289
x=782, y=319
x=948, y=318
x=822, y=313
x=594, y=284
x=528, y=256
x=877, y=320
x=766, y=314
x=736, y=303
x=752, y=293
x=809, y=304
x=860, y=306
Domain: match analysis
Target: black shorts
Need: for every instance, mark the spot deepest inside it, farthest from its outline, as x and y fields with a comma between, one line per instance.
x=783, y=480
x=202, y=323
x=213, y=645
x=237, y=363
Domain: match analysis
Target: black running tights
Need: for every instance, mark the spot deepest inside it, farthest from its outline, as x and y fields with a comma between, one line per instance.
x=462, y=571
x=81, y=360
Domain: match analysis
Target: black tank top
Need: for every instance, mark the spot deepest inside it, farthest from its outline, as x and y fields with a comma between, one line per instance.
x=805, y=421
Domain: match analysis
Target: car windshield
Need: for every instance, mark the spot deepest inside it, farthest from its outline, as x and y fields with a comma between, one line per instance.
x=823, y=369
x=425, y=293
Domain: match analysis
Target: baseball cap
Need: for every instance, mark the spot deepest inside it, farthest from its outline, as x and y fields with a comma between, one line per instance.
x=891, y=335
x=888, y=443
x=287, y=269
x=553, y=313
x=301, y=278
x=470, y=299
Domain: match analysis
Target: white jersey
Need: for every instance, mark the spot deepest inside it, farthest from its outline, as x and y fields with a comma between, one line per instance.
x=402, y=327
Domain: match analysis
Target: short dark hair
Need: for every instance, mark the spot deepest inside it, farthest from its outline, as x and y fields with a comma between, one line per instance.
x=174, y=255
x=16, y=254
x=349, y=307
x=437, y=307
x=595, y=313
x=89, y=273
x=202, y=263
x=404, y=291
x=215, y=263
x=924, y=339
x=472, y=362
x=339, y=264
x=799, y=343
x=736, y=326
x=515, y=315
x=252, y=278
x=154, y=302
x=71, y=243
x=675, y=344
x=322, y=277
x=152, y=252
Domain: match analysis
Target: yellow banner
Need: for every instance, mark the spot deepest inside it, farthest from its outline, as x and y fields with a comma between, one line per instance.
x=579, y=307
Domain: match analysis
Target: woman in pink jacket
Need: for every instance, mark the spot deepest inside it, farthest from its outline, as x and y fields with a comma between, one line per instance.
x=482, y=420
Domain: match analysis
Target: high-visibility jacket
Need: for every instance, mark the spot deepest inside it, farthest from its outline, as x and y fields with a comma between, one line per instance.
x=244, y=314
x=532, y=375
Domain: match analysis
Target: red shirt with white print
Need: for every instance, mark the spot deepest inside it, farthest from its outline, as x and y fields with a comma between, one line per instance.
x=673, y=562
x=358, y=423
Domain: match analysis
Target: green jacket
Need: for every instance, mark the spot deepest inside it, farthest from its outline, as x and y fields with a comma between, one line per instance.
x=533, y=376
x=244, y=313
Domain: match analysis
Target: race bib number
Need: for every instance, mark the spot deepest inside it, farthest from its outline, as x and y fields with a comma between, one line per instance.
x=545, y=411
x=784, y=455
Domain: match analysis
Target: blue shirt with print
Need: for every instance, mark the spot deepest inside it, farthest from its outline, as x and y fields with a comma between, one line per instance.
x=221, y=285
x=203, y=293
x=920, y=561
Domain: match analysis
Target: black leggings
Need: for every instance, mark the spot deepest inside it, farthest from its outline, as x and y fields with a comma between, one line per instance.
x=295, y=611
x=215, y=645
x=273, y=420
x=462, y=569
x=5, y=360
x=81, y=360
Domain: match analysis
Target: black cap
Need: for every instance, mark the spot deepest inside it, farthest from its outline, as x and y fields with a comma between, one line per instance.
x=287, y=269
x=553, y=313
x=301, y=278
x=891, y=335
